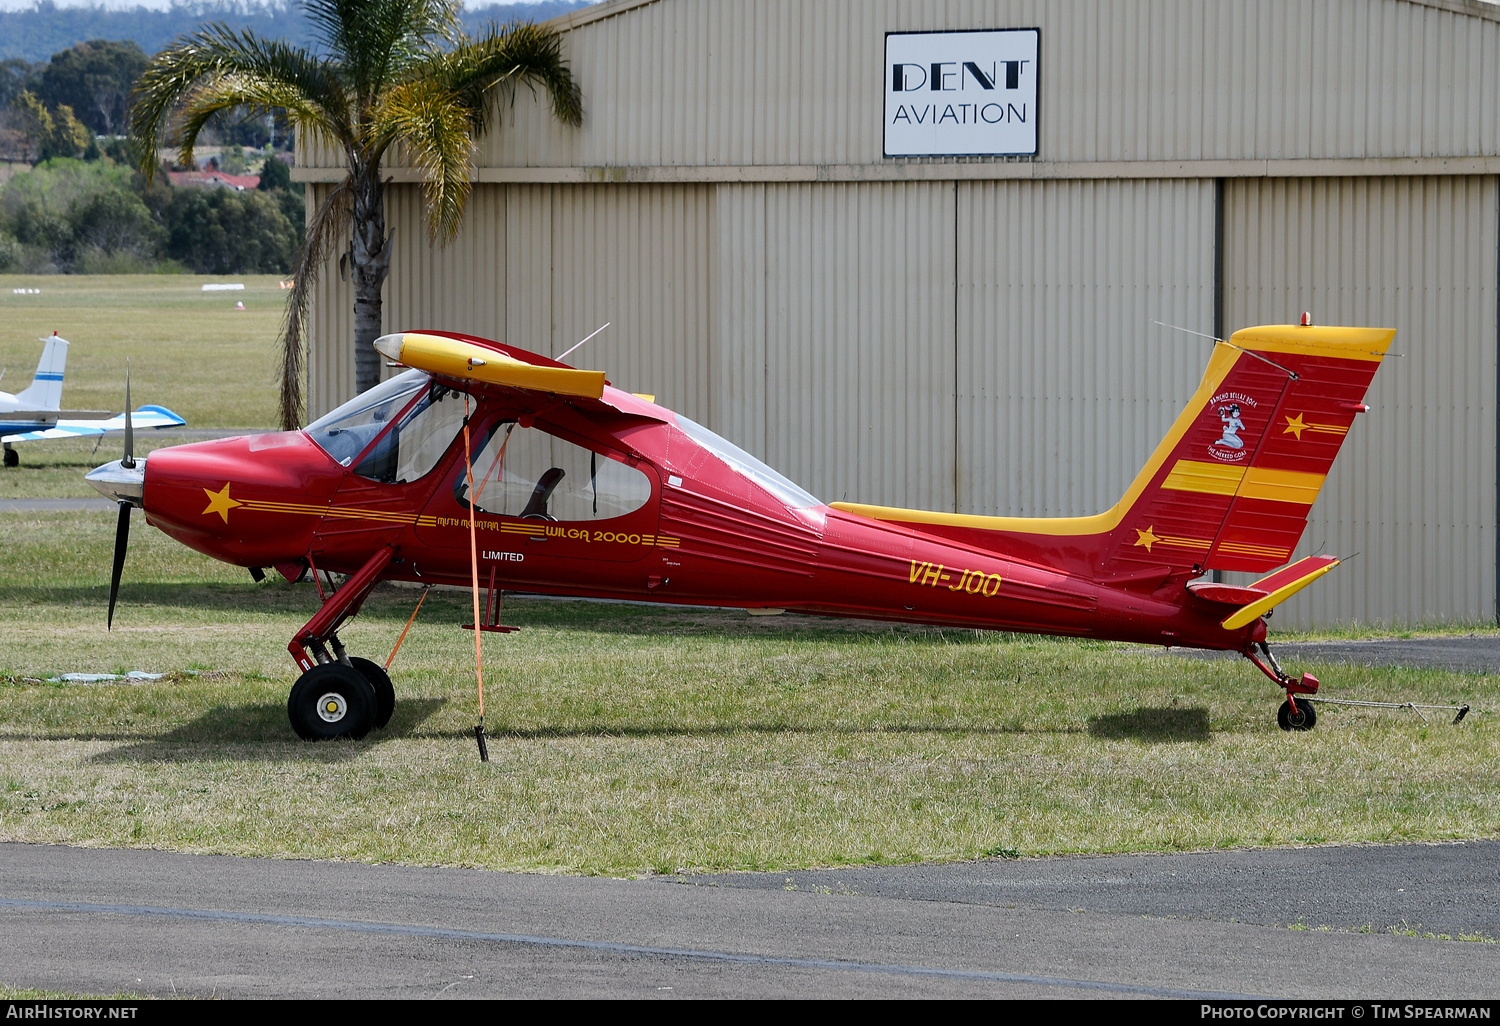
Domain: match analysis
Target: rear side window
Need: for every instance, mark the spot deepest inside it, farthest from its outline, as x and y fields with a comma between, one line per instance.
x=529, y=473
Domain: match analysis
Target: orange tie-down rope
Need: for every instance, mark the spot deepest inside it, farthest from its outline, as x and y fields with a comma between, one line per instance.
x=413, y=620
x=484, y=752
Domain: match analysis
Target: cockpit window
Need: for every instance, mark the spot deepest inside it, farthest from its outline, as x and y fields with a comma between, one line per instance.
x=432, y=418
x=348, y=430
x=534, y=475
x=785, y=489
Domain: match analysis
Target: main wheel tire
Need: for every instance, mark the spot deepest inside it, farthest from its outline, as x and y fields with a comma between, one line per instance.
x=385, y=691
x=12, y=458
x=331, y=701
x=1305, y=718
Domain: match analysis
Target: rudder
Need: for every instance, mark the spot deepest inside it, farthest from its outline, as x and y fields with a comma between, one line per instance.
x=45, y=390
x=1231, y=486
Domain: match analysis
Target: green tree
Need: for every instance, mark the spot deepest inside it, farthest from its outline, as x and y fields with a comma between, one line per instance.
x=68, y=215
x=224, y=231
x=50, y=133
x=95, y=79
x=15, y=76
x=290, y=196
x=388, y=73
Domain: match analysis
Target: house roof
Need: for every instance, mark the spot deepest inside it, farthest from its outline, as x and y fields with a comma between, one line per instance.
x=213, y=180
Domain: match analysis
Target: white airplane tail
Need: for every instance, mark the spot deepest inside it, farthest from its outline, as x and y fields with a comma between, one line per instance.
x=45, y=390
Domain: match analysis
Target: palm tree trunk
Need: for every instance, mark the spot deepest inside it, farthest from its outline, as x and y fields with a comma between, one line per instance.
x=370, y=260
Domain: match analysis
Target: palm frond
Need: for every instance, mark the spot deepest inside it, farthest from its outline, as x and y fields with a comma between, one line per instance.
x=257, y=97
x=435, y=128
x=328, y=225
x=506, y=57
x=308, y=85
x=374, y=40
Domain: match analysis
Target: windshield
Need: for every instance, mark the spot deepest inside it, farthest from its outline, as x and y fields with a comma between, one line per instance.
x=348, y=430
x=783, y=488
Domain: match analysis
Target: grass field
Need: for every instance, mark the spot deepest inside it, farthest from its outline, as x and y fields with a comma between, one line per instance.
x=190, y=351
x=626, y=739
x=630, y=739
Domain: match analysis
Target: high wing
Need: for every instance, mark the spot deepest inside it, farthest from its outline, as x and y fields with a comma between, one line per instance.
x=149, y=416
x=467, y=358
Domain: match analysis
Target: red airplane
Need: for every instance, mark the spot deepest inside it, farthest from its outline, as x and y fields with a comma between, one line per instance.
x=573, y=487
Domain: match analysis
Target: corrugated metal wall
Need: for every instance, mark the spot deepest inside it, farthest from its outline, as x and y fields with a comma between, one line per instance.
x=330, y=331
x=1065, y=384
x=641, y=259
x=859, y=340
x=730, y=82
x=541, y=267
x=1413, y=491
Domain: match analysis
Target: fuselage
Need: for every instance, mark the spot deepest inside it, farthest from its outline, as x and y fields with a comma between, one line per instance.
x=704, y=527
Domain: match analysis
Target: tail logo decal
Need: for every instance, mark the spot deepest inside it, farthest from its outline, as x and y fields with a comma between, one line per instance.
x=1230, y=447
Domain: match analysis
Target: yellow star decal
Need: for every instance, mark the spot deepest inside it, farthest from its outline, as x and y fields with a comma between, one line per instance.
x=1294, y=426
x=219, y=502
x=1146, y=538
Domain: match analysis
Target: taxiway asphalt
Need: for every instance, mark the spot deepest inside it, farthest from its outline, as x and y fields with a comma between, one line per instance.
x=1214, y=924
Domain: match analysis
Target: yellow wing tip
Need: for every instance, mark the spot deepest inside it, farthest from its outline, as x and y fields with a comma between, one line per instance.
x=1331, y=340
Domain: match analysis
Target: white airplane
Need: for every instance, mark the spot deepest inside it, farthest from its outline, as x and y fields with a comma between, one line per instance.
x=36, y=411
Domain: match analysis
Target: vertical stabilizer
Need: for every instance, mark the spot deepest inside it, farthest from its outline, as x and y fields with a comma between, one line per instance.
x=1230, y=486
x=45, y=390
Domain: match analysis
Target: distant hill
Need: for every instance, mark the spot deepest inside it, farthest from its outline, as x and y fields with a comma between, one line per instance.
x=35, y=35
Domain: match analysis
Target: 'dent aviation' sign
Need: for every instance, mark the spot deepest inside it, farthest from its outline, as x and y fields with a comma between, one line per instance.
x=961, y=93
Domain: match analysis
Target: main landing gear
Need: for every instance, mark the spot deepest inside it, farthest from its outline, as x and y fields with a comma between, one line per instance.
x=339, y=695
x=1293, y=715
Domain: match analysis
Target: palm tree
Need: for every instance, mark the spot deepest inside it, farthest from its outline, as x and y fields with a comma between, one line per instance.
x=387, y=73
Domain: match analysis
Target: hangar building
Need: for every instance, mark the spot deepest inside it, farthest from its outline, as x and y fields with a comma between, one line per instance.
x=776, y=205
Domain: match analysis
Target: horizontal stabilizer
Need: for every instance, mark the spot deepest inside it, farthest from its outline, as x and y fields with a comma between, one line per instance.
x=1279, y=587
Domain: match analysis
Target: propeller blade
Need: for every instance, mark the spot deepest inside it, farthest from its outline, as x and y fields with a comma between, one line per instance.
x=129, y=460
x=122, y=539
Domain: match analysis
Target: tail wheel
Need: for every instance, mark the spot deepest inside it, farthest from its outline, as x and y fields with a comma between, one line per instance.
x=385, y=691
x=331, y=701
x=1304, y=718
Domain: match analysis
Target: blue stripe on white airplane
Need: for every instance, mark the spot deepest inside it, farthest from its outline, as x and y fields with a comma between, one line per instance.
x=24, y=415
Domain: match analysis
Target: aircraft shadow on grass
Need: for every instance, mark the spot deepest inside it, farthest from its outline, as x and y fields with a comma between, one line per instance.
x=259, y=732
x=394, y=605
x=1172, y=723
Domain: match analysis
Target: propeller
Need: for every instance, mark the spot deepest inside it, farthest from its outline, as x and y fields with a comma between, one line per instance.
x=122, y=525
x=124, y=481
